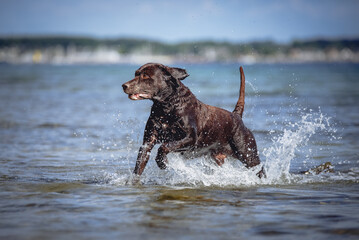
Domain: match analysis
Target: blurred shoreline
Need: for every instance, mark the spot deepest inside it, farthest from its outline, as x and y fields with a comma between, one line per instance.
x=75, y=50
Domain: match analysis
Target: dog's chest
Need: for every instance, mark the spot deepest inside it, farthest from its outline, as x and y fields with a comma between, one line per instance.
x=169, y=129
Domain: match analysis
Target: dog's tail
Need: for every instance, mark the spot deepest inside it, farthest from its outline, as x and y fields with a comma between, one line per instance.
x=240, y=104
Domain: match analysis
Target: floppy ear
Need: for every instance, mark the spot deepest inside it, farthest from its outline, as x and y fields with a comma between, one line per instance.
x=177, y=73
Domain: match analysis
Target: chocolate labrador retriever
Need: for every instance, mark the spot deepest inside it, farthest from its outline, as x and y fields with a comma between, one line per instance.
x=182, y=123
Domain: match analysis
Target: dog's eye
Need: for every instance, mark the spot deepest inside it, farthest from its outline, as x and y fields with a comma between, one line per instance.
x=145, y=76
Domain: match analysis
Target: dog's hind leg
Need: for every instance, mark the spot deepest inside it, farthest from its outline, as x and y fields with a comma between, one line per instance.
x=244, y=148
x=247, y=153
x=219, y=158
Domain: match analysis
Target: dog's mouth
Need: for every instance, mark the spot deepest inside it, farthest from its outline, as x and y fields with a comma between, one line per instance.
x=139, y=96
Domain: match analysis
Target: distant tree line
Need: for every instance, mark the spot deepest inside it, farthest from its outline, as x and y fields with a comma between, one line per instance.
x=133, y=45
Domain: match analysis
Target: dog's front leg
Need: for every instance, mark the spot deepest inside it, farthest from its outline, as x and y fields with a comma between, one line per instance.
x=143, y=157
x=165, y=148
x=149, y=141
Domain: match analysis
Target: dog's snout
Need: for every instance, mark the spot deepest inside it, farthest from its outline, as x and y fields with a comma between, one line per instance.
x=124, y=86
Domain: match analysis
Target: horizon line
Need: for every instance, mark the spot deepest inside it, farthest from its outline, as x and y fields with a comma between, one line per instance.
x=204, y=39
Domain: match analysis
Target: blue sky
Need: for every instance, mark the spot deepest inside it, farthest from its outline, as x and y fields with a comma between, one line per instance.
x=173, y=21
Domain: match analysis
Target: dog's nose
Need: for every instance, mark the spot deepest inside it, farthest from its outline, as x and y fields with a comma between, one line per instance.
x=124, y=86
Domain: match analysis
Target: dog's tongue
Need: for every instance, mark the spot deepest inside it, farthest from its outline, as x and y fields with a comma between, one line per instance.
x=134, y=96
x=138, y=96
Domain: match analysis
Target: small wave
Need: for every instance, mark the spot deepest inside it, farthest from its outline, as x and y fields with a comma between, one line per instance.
x=51, y=125
x=5, y=124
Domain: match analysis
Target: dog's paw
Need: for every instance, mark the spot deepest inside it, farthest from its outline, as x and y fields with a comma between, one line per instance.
x=136, y=179
x=133, y=180
x=261, y=173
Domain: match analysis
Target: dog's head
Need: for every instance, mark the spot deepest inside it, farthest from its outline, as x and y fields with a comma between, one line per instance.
x=154, y=81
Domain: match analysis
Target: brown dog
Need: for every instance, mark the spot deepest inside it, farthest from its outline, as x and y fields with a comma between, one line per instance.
x=183, y=124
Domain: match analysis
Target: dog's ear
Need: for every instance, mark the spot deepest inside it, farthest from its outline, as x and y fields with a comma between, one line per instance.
x=177, y=73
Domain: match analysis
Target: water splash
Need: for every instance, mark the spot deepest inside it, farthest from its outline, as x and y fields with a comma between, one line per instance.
x=203, y=172
x=280, y=155
x=278, y=158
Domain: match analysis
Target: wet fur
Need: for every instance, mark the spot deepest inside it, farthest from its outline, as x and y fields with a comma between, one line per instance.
x=182, y=123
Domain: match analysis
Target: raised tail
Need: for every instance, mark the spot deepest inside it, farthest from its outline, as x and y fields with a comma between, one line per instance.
x=240, y=103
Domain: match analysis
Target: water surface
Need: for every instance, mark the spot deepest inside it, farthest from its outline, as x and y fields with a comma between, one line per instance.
x=69, y=138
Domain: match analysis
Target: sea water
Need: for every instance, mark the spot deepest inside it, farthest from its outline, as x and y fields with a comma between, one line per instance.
x=69, y=138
